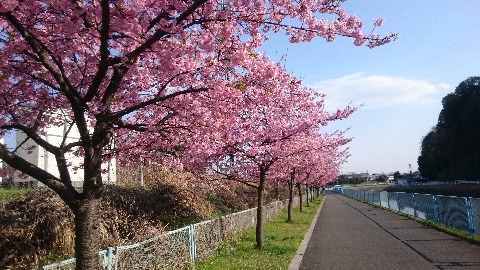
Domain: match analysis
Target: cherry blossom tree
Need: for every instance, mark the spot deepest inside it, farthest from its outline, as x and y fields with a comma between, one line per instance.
x=316, y=165
x=260, y=135
x=119, y=68
x=321, y=167
x=270, y=119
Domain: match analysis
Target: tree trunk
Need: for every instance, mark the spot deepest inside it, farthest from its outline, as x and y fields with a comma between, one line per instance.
x=87, y=232
x=290, y=197
x=307, y=191
x=300, y=195
x=277, y=194
x=260, y=210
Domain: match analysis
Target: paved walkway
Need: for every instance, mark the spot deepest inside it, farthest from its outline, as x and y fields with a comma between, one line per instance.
x=352, y=235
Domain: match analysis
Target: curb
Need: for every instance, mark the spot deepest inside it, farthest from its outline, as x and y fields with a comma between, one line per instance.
x=297, y=258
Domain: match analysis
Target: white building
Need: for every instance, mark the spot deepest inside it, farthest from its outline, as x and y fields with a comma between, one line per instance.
x=40, y=157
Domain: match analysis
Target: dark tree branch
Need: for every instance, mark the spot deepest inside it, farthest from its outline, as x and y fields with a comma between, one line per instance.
x=157, y=19
x=65, y=190
x=44, y=55
x=42, y=51
x=104, y=54
x=31, y=134
x=152, y=101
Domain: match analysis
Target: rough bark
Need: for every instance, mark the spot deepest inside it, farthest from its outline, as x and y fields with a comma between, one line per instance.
x=299, y=188
x=277, y=194
x=87, y=212
x=290, y=193
x=87, y=224
x=307, y=191
x=260, y=210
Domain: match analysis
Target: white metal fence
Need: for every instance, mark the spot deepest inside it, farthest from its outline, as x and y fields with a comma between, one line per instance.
x=179, y=248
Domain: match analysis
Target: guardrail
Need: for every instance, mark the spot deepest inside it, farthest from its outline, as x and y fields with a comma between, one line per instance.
x=179, y=248
x=461, y=213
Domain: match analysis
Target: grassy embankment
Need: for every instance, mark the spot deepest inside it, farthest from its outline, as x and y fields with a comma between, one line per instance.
x=282, y=240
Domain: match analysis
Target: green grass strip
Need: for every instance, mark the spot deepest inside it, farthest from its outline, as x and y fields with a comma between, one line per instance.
x=282, y=240
x=8, y=193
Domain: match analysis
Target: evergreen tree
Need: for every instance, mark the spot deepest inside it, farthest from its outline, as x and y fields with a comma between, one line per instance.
x=451, y=150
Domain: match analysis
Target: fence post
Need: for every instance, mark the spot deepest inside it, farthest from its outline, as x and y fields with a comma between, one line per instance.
x=223, y=230
x=398, y=201
x=435, y=209
x=414, y=205
x=193, y=247
x=109, y=258
x=471, y=224
x=388, y=200
x=116, y=258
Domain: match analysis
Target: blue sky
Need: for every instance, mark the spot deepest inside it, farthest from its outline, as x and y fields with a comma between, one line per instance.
x=400, y=84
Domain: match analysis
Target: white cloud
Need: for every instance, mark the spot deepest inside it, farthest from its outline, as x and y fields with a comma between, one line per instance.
x=376, y=91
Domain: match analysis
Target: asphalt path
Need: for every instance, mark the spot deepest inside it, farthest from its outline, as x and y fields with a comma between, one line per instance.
x=349, y=234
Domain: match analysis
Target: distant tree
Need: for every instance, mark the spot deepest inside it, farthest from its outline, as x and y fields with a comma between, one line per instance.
x=382, y=178
x=432, y=157
x=396, y=175
x=350, y=179
x=451, y=150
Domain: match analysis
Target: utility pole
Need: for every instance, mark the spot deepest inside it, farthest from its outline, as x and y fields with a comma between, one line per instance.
x=411, y=176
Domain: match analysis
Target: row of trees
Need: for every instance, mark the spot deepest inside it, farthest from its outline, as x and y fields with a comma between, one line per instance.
x=181, y=83
x=450, y=151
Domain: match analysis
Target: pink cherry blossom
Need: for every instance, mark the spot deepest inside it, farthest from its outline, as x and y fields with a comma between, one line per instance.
x=177, y=82
x=378, y=22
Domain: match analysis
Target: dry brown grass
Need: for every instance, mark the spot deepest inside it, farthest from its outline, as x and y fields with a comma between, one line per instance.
x=37, y=228
x=29, y=235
